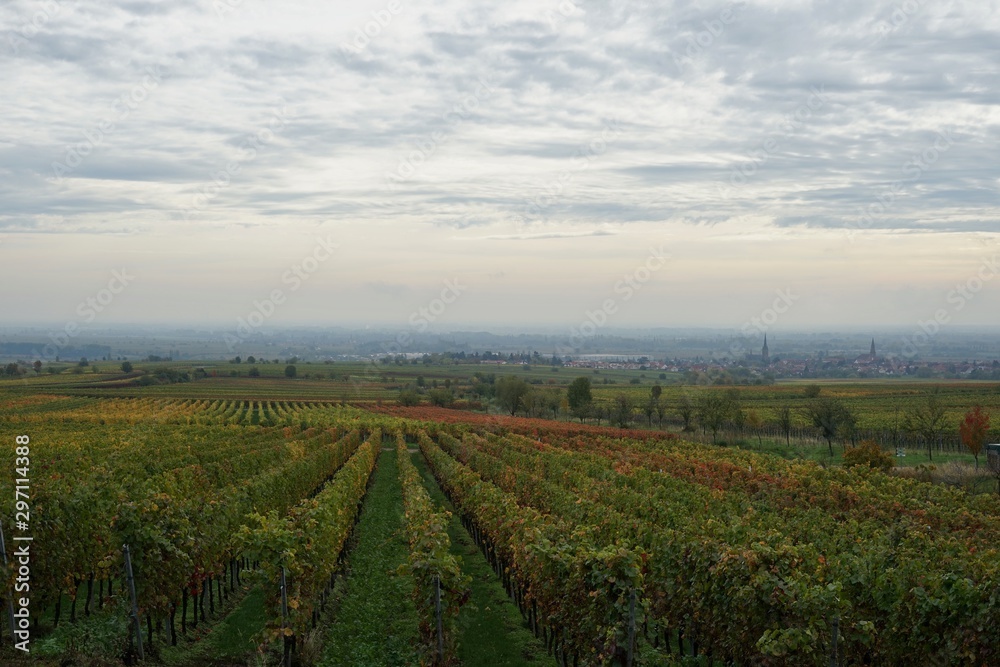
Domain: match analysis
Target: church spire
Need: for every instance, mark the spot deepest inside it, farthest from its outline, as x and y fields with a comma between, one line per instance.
x=873, y=349
x=764, y=353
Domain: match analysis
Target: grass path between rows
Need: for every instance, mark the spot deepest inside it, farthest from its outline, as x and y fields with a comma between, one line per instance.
x=492, y=631
x=375, y=622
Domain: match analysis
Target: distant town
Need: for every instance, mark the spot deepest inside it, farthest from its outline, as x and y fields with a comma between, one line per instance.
x=701, y=356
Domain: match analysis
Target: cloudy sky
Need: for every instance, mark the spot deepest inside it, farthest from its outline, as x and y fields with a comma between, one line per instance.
x=525, y=161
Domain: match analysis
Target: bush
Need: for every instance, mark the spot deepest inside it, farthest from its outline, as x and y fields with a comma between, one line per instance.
x=870, y=454
x=442, y=398
x=409, y=397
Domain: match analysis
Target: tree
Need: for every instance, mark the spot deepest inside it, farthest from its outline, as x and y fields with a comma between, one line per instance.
x=251, y=359
x=408, y=397
x=652, y=406
x=510, y=393
x=927, y=420
x=830, y=416
x=974, y=429
x=254, y=372
x=686, y=410
x=812, y=391
x=715, y=409
x=755, y=424
x=126, y=367
x=580, y=397
x=785, y=423
x=290, y=371
x=37, y=366
x=622, y=411
x=442, y=398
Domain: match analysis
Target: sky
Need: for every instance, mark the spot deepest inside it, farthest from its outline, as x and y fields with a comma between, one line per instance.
x=772, y=164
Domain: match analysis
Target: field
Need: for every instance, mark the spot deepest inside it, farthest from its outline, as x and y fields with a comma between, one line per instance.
x=314, y=519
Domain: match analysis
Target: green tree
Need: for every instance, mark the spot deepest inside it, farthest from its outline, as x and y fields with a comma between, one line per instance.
x=37, y=366
x=511, y=392
x=785, y=423
x=622, y=410
x=408, y=397
x=290, y=371
x=831, y=417
x=443, y=398
x=927, y=420
x=687, y=411
x=715, y=409
x=254, y=372
x=126, y=367
x=580, y=397
x=652, y=406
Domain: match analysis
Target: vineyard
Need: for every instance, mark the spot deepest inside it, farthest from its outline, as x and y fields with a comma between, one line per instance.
x=617, y=547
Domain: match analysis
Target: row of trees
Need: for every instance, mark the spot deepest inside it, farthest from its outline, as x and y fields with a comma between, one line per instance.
x=717, y=411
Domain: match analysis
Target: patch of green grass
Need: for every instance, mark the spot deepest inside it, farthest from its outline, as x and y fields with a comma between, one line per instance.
x=376, y=623
x=492, y=630
x=231, y=639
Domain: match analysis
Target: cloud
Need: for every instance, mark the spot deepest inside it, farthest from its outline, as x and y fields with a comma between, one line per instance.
x=716, y=103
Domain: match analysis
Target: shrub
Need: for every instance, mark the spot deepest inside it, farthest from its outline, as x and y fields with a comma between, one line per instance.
x=408, y=397
x=870, y=454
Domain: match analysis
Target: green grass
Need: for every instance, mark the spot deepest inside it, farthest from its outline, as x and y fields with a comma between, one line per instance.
x=375, y=623
x=233, y=639
x=492, y=631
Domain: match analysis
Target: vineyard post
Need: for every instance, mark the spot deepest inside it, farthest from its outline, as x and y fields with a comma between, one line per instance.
x=135, y=605
x=7, y=594
x=631, y=628
x=437, y=612
x=287, y=660
x=834, y=659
